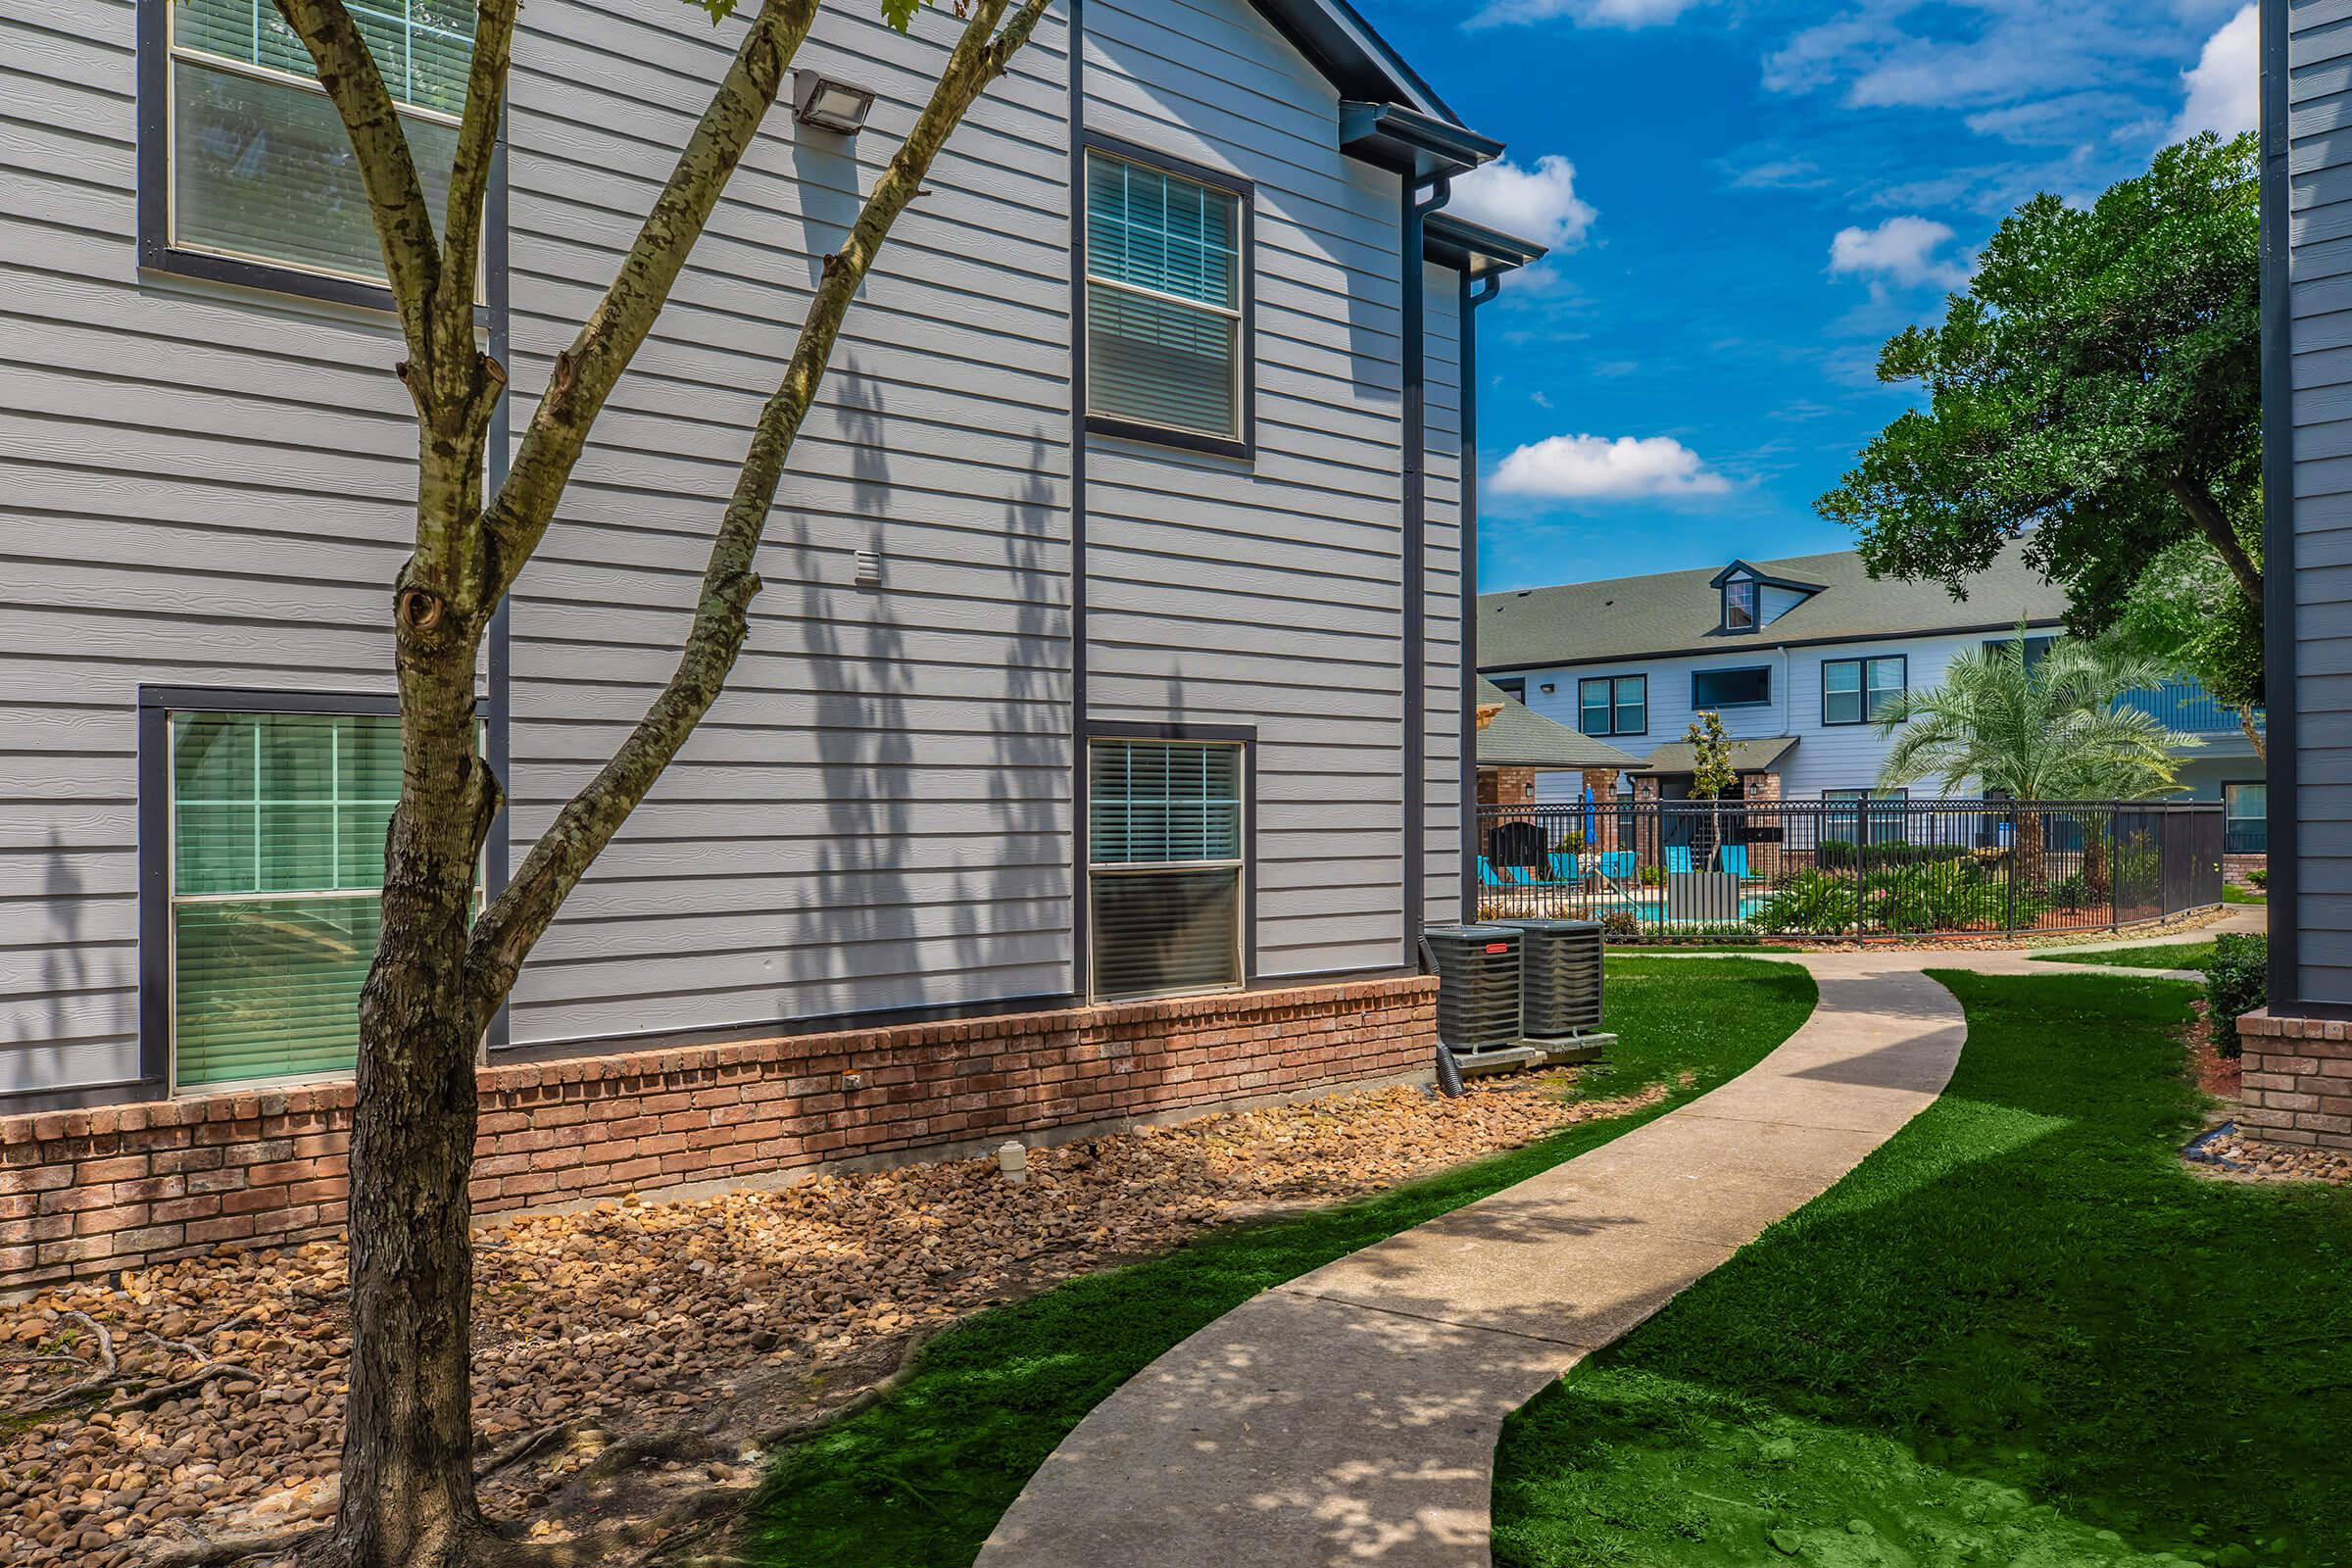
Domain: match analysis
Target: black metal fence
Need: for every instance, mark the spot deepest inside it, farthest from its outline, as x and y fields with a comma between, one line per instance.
x=1833, y=868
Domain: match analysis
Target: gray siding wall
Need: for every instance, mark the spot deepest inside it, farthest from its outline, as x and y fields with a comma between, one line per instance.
x=1441, y=545
x=210, y=487
x=197, y=487
x=1268, y=592
x=2320, y=233
x=877, y=812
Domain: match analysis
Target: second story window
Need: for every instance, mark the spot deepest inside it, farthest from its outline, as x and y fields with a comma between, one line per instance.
x=1740, y=605
x=1857, y=691
x=1166, y=293
x=1730, y=688
x=258, y=169
x=1613, y=704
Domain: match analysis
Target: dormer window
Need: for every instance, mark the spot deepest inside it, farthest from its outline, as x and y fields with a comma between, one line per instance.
x=1740, y=605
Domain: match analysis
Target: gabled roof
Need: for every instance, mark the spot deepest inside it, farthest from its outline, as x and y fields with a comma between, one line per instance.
x=1520, y=737
x=1627, y=618
x=1747, y=757
x=1755, y=573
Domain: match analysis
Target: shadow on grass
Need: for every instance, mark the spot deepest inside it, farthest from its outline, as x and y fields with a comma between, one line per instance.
x=2019, y=1334
x=921, y=1479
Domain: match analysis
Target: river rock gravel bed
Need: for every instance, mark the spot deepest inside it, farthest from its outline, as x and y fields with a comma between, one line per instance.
x=206, y=1397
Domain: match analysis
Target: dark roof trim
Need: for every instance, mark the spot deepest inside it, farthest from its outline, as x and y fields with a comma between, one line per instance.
x=1764, y=640
x=1342, y=45
x=1473, y=248
x=1740, y=568
x=1410, y=142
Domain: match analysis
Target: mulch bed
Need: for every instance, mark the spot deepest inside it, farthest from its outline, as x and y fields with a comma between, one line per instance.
x=633, y=1355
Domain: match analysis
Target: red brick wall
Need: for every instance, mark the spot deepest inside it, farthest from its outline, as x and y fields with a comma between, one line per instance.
x=2298, y=1080
x=88, y=1192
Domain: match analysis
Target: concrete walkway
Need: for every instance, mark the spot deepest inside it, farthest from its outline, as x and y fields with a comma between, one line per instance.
x=1350, y=1416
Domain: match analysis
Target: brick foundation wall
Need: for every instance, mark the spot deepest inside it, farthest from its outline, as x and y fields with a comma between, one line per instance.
x=89, y=1191
x=2235, y=868
x=2298, y=1080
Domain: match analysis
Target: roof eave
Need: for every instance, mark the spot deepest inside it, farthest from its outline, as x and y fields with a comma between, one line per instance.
x=1410, y=142
x=1354, y=58
x=1473, y=248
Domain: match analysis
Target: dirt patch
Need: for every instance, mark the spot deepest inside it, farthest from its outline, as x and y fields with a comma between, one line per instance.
x=634, y=1363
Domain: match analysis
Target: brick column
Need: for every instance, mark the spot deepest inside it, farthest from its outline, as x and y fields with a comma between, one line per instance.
x=2298, y=1080
x=1762, y=790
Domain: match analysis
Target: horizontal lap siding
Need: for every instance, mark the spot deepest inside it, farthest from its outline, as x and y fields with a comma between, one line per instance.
x=197, y=487
x=2319, y=195
x=877, y=812
x=1442, y=401
x=1269, y=592
x=1826, y=757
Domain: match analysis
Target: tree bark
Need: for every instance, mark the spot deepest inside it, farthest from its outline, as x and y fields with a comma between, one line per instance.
x=2254, y=736
x=2213, y=525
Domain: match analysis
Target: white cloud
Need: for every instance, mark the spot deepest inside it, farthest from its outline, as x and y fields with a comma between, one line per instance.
x=1907, y=249
x=1538, y=203
x=1585, y=13
x=2224, y=87
x=1781, y=173
x=1593, y=467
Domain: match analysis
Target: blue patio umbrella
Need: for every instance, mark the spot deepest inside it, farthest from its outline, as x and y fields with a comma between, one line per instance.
x=1592, y=831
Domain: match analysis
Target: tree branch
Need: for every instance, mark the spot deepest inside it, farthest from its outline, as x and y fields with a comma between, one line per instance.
x=2213, y=525
x=586, y=371
x=514, y=924
x=462, y=221
x=404, y=223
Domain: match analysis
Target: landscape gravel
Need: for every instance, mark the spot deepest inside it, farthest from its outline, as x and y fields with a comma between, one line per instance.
x=205, y=1397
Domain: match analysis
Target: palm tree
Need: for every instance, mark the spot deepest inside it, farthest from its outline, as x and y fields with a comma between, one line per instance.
x=2046, y=729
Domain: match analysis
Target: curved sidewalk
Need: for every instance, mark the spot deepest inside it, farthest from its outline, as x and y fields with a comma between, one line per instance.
x=1350, y=1416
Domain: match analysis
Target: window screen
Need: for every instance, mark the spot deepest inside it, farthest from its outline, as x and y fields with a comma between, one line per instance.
x=261, y=167
x=1613, y=706
x=1730, y=688
x=1163, y=312
x=1166, y=835
x=278, y=862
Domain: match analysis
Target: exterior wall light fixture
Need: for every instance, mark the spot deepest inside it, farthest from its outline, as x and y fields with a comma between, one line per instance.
x=818, y=100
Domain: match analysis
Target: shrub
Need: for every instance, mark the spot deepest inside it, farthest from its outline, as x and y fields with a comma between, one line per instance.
x=2260, y=876
x=1947, y=895
x=1572, y=841
x=1619, y=923
x=1816, y=902
x=2237, y=981
x=1844, y=854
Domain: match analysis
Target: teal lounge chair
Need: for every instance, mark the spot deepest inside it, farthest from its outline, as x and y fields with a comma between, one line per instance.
x=1486, y=874
x=1678, y=858
x=1564, y=867
x=1617, y=865
x=1732, y=857
x=1520, y=876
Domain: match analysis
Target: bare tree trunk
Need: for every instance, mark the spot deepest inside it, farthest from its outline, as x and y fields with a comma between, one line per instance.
x=2254, y=737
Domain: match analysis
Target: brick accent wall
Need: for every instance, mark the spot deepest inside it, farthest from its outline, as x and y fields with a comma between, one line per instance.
x=2298, y=1080
x=89, y=1191
x=2236, y=868
x=1507, y=786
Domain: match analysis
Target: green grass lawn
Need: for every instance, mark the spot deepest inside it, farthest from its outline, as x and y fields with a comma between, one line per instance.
x=2232, y=893
x=920, y=1479
x=2019, y=1335
x=2178, y=955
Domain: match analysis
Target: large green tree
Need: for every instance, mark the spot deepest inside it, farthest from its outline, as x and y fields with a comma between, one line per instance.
x=2095, y=392
x=440, y=973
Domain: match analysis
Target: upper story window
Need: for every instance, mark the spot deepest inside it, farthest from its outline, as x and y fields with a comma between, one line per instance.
x=256, y=170
x=1857, y=691
x=2036, y=648
x=1514, y=688
x=1166, y=303
x=1740, y=605
x=1732, y=688
x=1613, y=704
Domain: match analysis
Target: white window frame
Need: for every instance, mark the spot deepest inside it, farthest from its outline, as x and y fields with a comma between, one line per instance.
x=1240, y=865
x=1238, y=439
x=173, y=52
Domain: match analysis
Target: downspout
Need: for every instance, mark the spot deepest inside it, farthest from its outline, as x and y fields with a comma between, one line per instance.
x=2282, y=764
x=1469, y=298
x=1419, y=195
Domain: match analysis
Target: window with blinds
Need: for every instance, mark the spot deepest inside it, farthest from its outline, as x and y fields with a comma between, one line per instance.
x=1165, y=863
x=261, y=168
x=278, y=862
x=1164, y=299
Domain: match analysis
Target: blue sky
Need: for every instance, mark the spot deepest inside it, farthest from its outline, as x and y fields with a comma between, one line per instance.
x=1747, y=197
